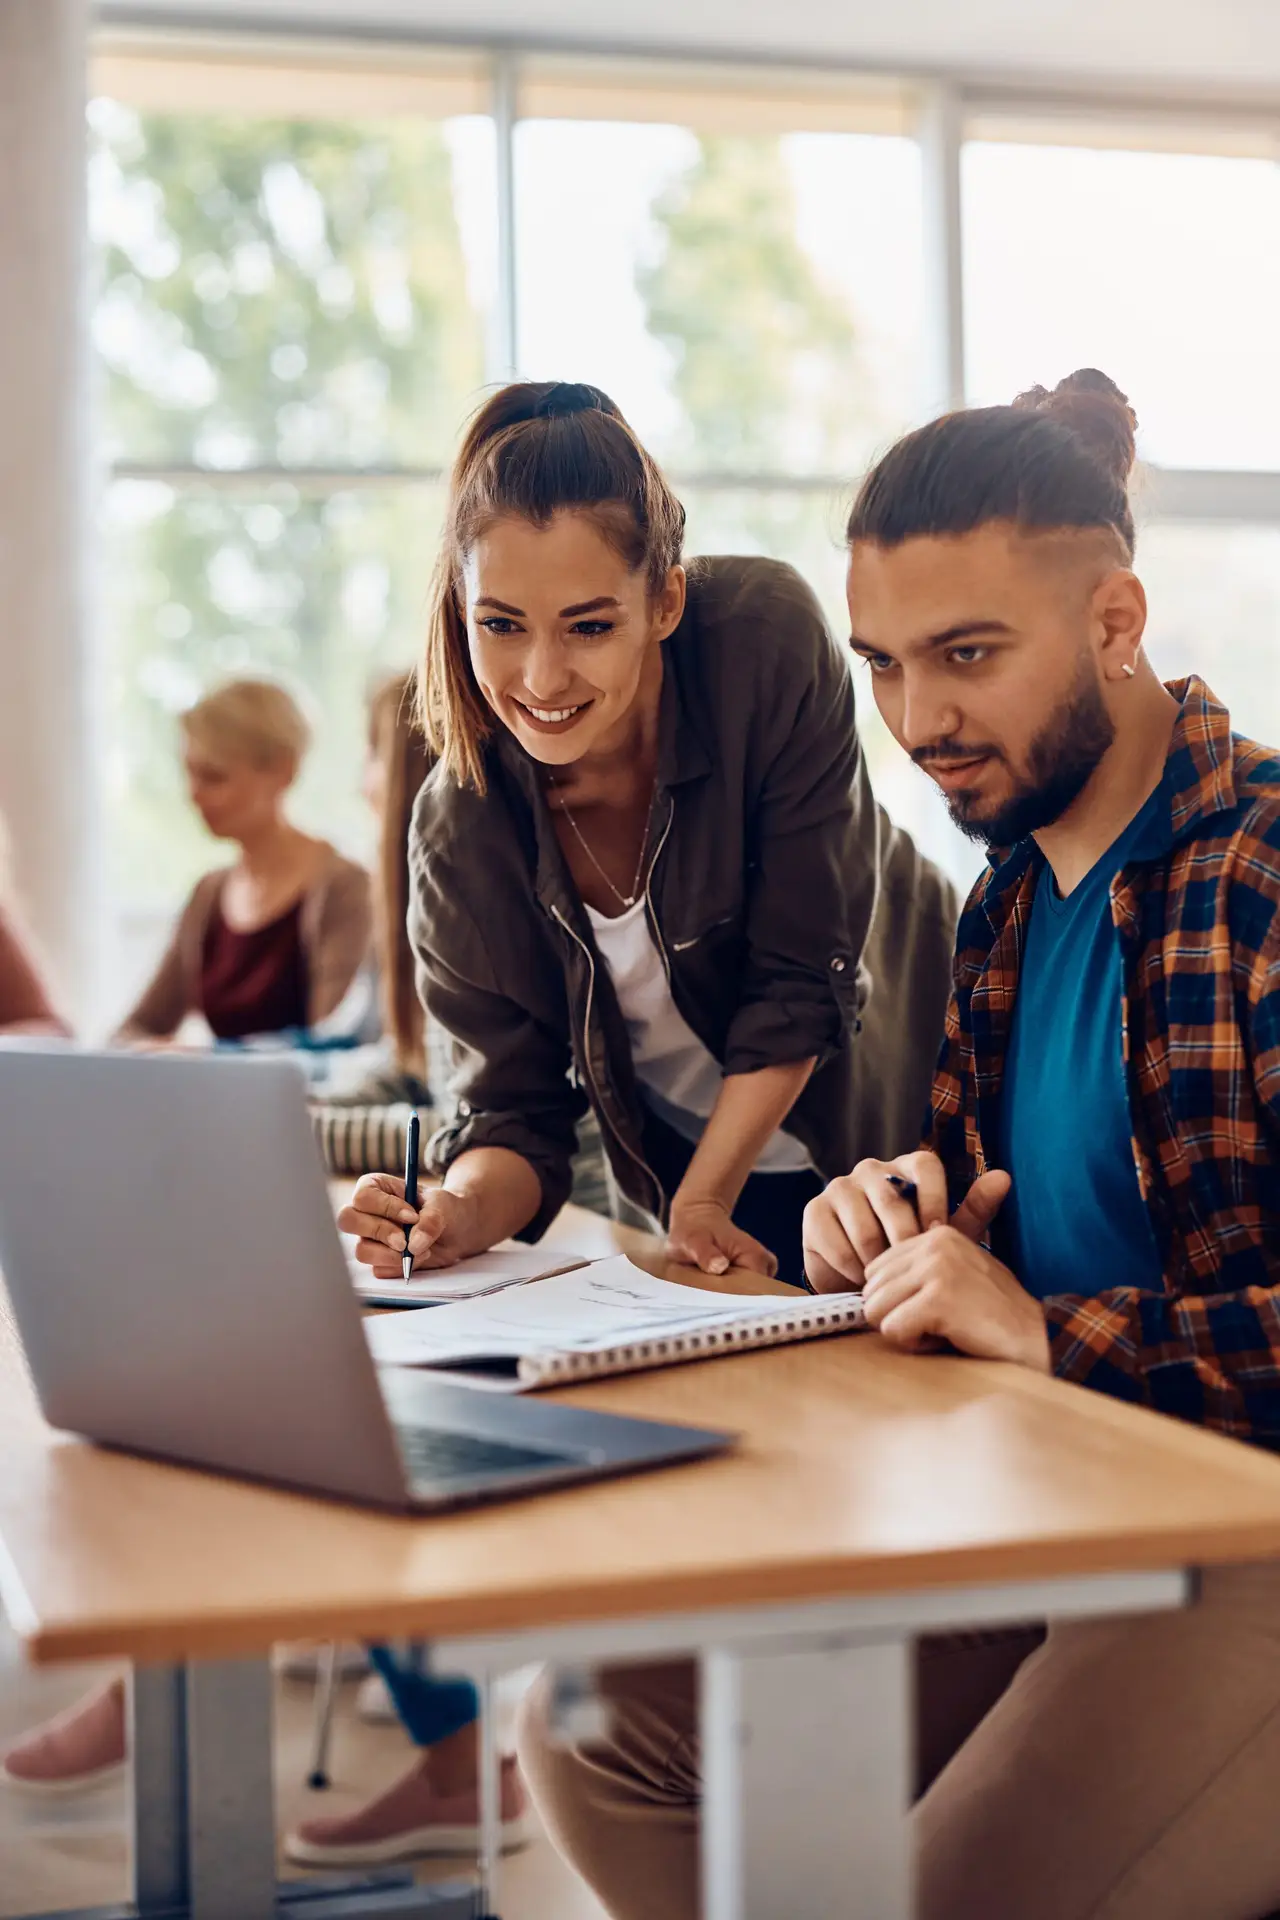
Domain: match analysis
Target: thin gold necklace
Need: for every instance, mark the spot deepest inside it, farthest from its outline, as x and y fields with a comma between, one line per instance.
x=624, y=900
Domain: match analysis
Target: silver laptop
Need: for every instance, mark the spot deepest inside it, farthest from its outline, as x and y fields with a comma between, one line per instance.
x=181, y=1290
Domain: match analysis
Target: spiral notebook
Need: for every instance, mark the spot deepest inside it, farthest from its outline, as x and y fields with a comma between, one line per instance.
x=608, y=1317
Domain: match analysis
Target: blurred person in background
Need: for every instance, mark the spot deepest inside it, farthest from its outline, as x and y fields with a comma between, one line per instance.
x=271, y=943
x=25, y=1005
x=396, y=764
x=366, y=1117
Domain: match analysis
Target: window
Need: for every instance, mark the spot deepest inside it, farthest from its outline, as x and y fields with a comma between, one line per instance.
x=741, y=268
x=298, y=303
x=746, y=283
x=309, y=267
x=292, y=319
x=752, y=301
x=1152, y=250
x=1161, y=268
x=1214, y=592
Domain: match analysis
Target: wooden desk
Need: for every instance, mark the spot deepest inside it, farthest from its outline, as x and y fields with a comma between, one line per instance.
x=874, y=1496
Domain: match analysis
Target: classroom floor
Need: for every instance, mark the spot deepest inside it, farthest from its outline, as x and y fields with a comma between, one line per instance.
x=74, y=1854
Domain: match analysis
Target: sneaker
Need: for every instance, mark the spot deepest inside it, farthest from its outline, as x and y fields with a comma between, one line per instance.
x=411, y=1821
x=81, y=1750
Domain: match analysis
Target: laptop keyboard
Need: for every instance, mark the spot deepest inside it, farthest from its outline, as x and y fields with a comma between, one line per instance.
x=437, y=1454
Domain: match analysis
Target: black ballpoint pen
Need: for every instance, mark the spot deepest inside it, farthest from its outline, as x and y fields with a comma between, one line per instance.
x=410, y=1188
x=906, y=1188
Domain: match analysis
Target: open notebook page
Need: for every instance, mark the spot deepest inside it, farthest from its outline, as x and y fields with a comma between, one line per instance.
x=586, y=1311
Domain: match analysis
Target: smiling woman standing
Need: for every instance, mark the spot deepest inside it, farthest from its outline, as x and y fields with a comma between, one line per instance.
x=645, y=865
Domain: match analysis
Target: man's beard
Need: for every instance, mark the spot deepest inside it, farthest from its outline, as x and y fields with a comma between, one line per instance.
x=1060, y=762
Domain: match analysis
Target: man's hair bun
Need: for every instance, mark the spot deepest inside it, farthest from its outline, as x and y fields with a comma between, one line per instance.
x=1091, y=404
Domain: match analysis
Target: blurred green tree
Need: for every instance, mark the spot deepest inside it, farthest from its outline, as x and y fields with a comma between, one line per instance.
x=765, y=361
x=765, y=367
x=764, y=352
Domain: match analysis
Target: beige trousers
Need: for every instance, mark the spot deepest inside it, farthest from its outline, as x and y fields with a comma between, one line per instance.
x=1111, y=1770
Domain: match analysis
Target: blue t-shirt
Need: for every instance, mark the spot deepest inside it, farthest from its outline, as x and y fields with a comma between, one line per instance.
x=1075, y=1221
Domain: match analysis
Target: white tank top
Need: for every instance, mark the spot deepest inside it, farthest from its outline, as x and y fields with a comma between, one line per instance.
x=680, y=1078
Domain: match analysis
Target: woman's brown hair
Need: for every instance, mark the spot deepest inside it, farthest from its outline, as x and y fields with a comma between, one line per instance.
x=1051, y=460
x=396, y=741
x=535, y=449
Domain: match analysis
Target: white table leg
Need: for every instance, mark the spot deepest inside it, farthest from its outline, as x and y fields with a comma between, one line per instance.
x=806, y=1755
x=231, y=1823
x=204, y=1843
x=204, y=1840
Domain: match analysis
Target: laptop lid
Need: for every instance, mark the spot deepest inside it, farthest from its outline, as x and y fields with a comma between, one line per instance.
x=169, y=1248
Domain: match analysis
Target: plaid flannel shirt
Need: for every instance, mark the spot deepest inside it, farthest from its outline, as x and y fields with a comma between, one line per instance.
x=1200, y=945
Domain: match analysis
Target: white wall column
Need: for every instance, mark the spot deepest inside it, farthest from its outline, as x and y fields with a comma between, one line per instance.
x=46, y=764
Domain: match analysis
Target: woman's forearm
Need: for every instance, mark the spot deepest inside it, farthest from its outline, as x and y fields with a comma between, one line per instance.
x=501, y=1191
x=750, y=1109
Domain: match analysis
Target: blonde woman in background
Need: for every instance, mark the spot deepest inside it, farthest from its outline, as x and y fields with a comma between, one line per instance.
x=271, y=943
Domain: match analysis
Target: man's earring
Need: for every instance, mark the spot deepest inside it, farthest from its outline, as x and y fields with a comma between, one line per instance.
x=1128, y=671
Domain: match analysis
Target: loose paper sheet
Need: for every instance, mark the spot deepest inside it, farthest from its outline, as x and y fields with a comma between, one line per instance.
x=467, y=1280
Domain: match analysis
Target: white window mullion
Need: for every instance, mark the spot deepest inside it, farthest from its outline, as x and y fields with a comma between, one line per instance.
x=941, y=137
x=505, y=333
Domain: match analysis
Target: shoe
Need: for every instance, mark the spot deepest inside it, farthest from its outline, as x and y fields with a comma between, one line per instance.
x=411, y=1821
x=374, y=1702
x=79, y=1752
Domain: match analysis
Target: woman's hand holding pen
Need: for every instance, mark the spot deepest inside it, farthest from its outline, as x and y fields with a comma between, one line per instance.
x=489, y=1193
x=438, y=1232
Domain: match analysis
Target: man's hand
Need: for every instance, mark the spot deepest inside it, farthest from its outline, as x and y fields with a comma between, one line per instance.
x=882, y=1204
x=940, y=1286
